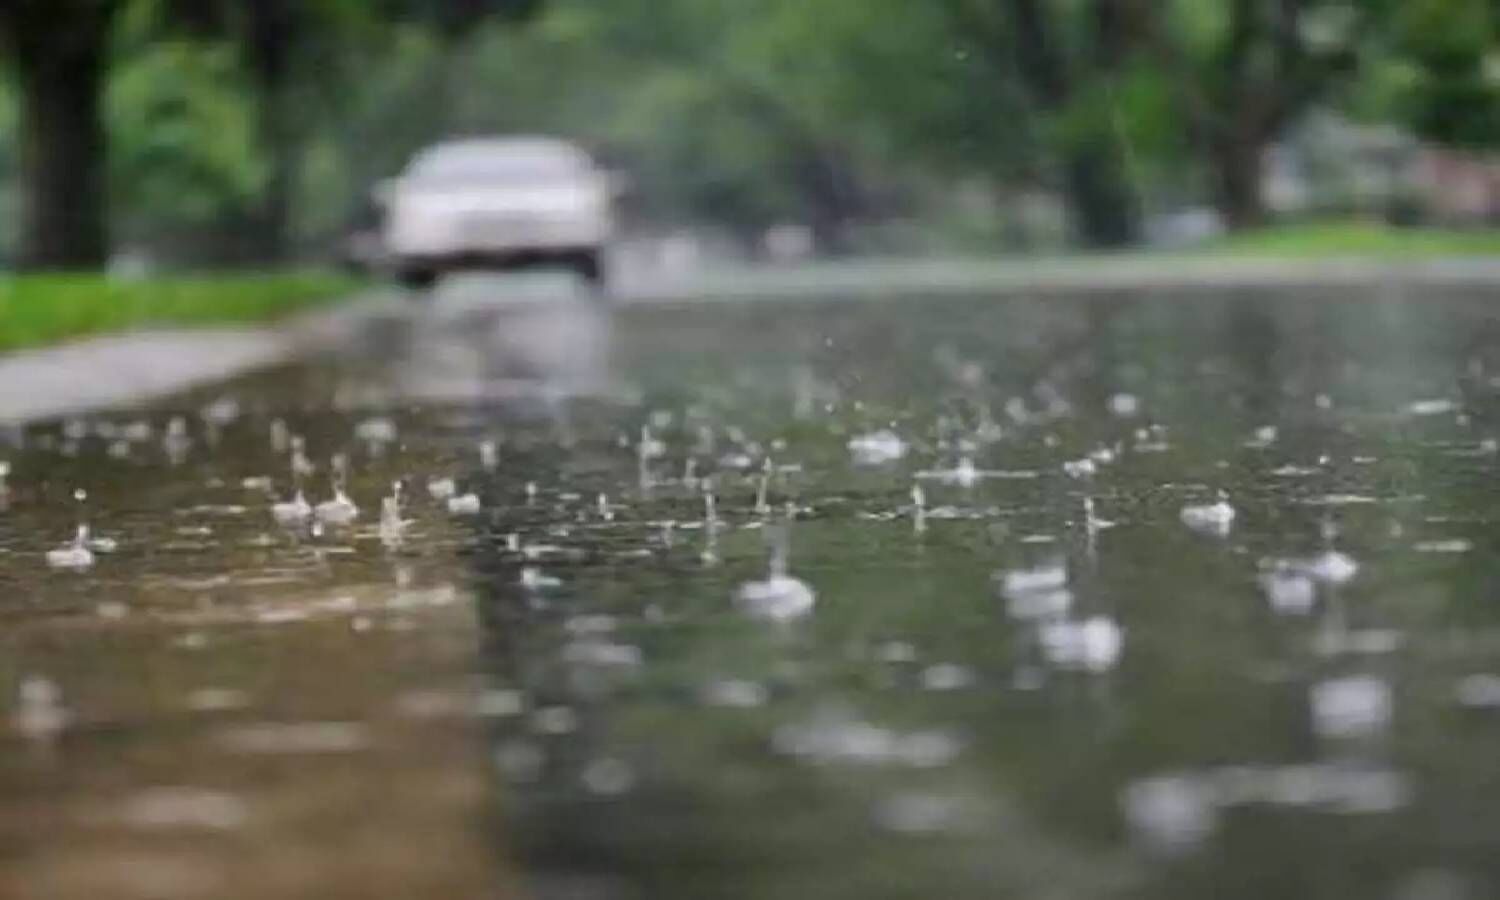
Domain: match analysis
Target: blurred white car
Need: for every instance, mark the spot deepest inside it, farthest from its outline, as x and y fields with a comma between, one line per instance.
x=498, y=203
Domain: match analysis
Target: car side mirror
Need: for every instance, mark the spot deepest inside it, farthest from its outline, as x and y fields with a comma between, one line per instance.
x=384, y=192
x=618, y=184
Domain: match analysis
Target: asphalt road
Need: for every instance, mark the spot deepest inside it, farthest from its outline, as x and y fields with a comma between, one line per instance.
x=1136, y=591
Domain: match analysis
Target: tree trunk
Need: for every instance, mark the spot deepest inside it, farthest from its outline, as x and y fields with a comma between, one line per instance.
x=1233, y=136
x=272, y=29
x=60, y=61
x=279, y=142
x=833, y=198
x=1101, y=203
x=1238, y=183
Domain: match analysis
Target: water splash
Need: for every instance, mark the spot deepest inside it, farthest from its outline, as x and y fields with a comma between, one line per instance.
x=1215, y=519
x=1125, y=406
x=1049, y=576
x=1351, y=706
x=966, y=475
x=947, y=677
x=734, y=693
x=877, y=448
x=1093, y=523
x=709, y=556
x=1331, y=567
x=176, y=443
x=1080, y=468
x=339, y=510
x=963, y=474
x=467, y=504
x=392, y=525
x=608, y=777
x=649, y=447
x=296, y=511
x=489, y=455
x=280, y=436
x=40, y=715
x=76, y=555
x=835, y=735
x=1170, y=814
x=1176, y=813
x=779, y=596
x=533, y=579
x=1434, y=407
x=1288, y=590
x=442, y=488
x=1092, y=645
x=302, y=467
x=762, y=489
x=376, y=432
x=1264, y=436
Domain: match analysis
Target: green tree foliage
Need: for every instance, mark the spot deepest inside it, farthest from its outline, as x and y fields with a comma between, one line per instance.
x=183, y=167
x=1441, y=73
x=61, y=57
x=256, y=128
x=57, y=52
x=298, y=55
x=721, y=112
x=1244, y=70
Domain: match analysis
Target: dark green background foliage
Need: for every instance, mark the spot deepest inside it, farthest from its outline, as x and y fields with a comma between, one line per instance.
x=235, y=130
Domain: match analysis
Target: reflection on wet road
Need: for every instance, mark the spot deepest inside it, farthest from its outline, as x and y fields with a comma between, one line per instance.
x=1108, y=596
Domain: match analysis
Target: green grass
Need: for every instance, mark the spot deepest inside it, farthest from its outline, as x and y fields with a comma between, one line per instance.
x=1357, y=239
x=44, y=309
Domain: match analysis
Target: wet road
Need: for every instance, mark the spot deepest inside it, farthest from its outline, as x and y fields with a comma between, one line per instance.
x=1124, y=594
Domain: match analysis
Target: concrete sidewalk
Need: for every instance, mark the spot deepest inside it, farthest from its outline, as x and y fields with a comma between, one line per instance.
x=126, y=369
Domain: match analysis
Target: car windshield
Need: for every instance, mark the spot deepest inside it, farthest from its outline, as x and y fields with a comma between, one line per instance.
x=471, y=163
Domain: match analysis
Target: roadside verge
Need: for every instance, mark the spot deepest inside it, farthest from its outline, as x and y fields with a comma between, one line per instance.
x=125, y=369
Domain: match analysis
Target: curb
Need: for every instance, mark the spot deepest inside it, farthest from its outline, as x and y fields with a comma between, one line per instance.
x=874, y=279
x=129, y=369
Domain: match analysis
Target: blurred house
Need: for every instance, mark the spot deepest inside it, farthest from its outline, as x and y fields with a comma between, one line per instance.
x=1183, y=227
x=788, y=242
x=1331, y=166
x=1457, y=188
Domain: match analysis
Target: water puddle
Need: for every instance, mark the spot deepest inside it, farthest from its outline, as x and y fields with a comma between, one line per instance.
x=960, y=599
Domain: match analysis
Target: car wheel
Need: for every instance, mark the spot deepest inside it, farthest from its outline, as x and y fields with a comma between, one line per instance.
x=417, y=279
x=590, y=267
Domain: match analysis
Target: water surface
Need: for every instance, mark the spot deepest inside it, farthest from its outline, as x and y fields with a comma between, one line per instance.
x=1042, y=683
